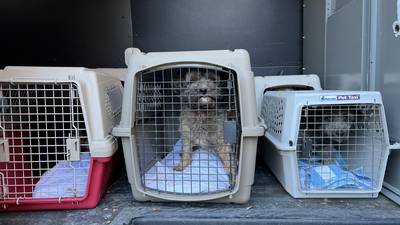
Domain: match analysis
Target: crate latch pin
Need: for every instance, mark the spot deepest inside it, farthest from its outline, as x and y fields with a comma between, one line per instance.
x=73, y=149
x=3, y=186
x=4, y=150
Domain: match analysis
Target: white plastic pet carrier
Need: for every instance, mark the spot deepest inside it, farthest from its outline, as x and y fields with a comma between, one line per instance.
x=189, y=126
x=284, y=82
x=56, y=148
x=326, y=144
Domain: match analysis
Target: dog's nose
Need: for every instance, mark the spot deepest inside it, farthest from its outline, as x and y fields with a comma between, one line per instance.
x=203, y=91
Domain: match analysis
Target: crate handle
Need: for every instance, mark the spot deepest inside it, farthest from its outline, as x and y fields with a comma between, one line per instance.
x=396, y=24
x=395, y=146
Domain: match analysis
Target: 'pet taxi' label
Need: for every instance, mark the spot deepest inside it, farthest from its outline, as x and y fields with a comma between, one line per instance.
x=339, y=97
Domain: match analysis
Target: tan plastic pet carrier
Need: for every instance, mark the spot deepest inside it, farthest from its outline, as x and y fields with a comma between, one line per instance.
x=189, y=126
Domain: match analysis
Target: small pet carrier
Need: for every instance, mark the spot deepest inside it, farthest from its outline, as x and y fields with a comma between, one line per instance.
x=56, y=151
x=189, y=126
x=326, y=144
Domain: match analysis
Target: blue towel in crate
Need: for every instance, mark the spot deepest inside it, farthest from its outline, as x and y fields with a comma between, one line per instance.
x=316, y=176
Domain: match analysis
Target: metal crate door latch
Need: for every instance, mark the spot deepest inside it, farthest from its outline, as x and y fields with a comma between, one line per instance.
x=230, y=132
x=4, y=150
x=307, y=148
x=73, y=149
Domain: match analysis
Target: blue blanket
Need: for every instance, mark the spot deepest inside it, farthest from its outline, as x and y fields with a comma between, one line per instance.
x=317, y=176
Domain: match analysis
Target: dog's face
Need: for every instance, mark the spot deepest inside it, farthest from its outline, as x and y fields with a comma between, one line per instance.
x=201, y=90
x=337, y=128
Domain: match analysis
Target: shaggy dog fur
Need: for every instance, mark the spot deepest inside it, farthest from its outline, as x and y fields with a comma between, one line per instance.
x=202, y=120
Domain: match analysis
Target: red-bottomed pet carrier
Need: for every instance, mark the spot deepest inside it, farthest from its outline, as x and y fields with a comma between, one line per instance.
x=56, y=151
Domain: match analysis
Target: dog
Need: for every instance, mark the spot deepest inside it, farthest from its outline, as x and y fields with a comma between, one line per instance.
x=337, y=127
x=202, y=120
x=334, y=130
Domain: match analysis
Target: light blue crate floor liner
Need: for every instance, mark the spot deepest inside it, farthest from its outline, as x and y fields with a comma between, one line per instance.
x=205, y=174
x=315, y=175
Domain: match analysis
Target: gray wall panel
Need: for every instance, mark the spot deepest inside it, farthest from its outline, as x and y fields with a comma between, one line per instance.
x=314, y=38
x=387, y=80
x=388, y=65
x=346, y=39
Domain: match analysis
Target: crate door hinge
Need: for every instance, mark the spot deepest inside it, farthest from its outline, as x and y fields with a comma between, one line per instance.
x=4, y=150
x=73, y=149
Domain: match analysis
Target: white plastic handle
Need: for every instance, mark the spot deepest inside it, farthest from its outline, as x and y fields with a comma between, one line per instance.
x=395, y=146
x=396, y=24
x=398, y=10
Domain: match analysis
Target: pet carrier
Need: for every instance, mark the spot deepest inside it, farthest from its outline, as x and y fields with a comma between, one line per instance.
x=326, y=144
x=284, y=82
x=56, y=151
x=189, y=126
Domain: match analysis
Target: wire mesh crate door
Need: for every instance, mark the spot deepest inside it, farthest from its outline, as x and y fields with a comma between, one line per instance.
x=340, y=147
x=187, y=129
x=37, y=120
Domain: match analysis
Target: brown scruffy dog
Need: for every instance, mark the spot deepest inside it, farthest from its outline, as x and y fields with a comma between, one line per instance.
x=202, y=120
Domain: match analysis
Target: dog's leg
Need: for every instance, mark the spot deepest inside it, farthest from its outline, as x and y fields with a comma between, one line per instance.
x=186, y=158
x=225, y=153
x=224, y=150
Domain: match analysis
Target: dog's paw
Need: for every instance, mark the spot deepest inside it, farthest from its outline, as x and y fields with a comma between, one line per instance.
x=179, y=167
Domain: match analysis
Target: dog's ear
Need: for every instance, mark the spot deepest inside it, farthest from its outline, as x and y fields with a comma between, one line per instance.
x=217, y=76
x=212, y=75
x=192, y=76
x=181, y=83
x=188, y=77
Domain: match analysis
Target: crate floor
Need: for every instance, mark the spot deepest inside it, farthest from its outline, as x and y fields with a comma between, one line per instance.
x=269, y=204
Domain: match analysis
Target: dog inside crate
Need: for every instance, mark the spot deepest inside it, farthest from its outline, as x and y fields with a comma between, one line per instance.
x=187, y=128
x=340, y=146
x=37, y=119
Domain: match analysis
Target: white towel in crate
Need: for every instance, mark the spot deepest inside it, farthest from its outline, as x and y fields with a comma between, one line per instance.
x=204, y=175
x=65, y=179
